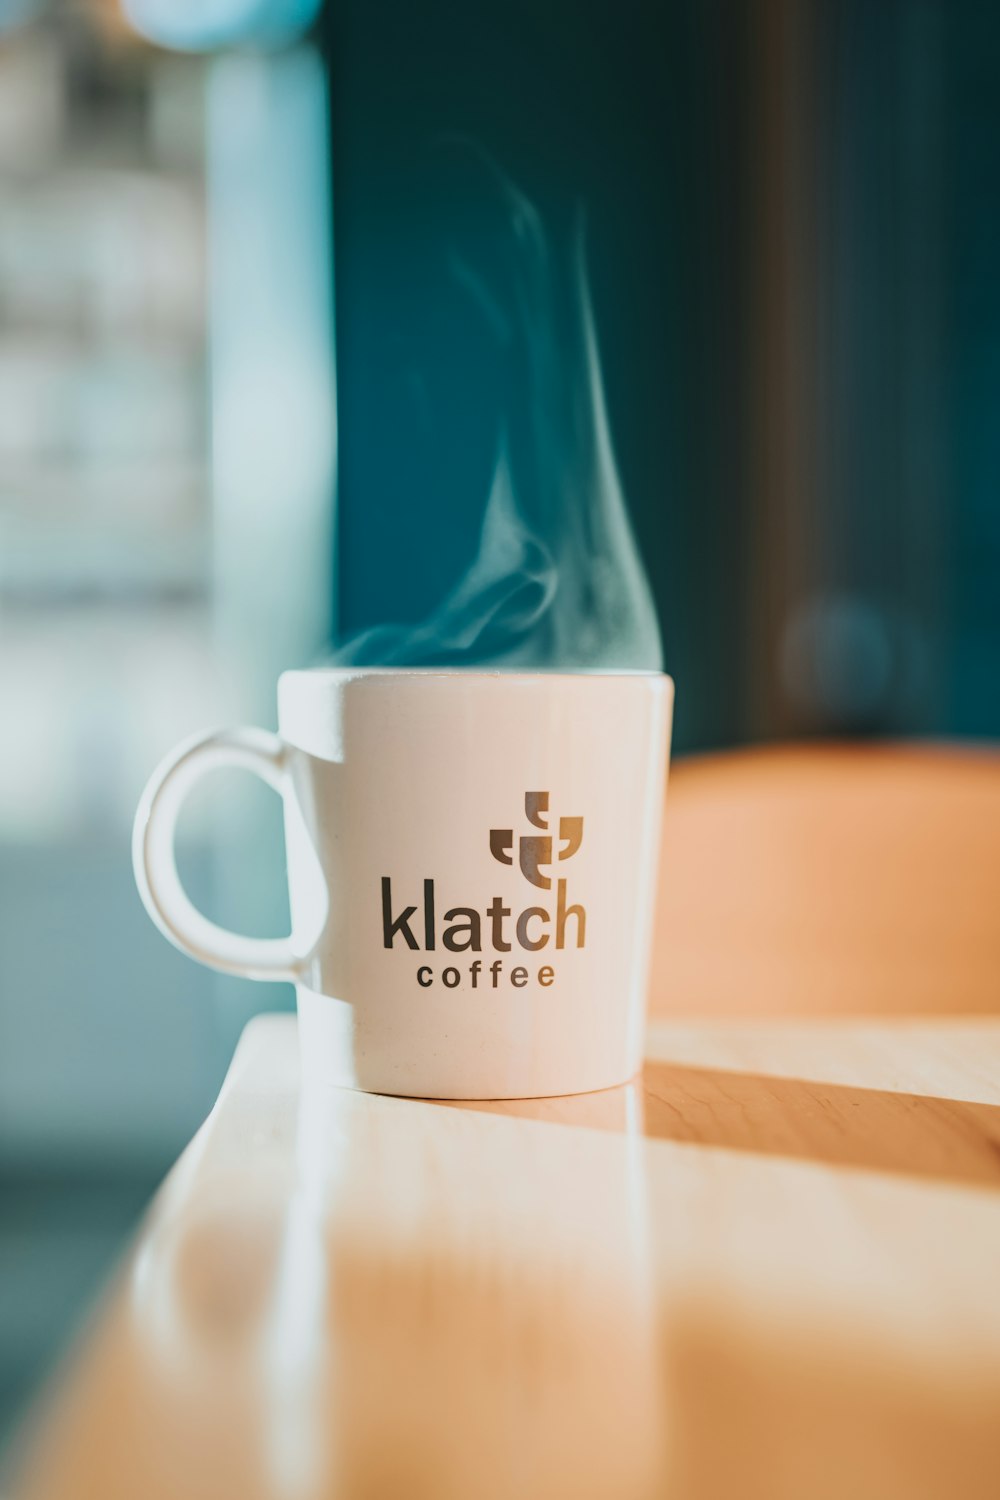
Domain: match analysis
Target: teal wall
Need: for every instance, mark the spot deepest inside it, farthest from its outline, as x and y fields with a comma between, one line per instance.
x=792, y=232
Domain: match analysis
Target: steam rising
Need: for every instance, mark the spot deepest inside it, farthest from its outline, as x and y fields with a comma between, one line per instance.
x=557, y=582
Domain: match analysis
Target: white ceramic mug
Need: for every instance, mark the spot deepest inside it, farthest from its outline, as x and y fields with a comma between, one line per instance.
x=472, y=861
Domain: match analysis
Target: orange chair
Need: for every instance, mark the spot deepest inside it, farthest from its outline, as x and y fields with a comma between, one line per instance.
x=826, y=880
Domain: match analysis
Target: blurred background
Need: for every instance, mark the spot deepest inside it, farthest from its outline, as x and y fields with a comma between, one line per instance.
x=244, y=413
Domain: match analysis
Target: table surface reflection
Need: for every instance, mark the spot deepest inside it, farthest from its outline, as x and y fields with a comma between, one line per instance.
x=768, y=1268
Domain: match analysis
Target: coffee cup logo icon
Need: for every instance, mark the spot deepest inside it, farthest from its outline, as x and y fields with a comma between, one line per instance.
x=535, y=851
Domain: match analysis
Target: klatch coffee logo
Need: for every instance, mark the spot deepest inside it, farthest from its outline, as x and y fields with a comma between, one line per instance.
x=535, y=851
x=538, y=855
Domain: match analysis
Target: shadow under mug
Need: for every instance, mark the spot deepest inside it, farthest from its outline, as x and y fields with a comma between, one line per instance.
x=472, y=859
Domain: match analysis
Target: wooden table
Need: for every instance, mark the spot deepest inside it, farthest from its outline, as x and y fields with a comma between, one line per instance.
x=769, y=1269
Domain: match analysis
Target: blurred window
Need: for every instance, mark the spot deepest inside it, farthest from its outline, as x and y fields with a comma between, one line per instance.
x=104, y=495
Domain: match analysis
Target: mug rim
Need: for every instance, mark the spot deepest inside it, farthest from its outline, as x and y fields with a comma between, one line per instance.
x=492, y=674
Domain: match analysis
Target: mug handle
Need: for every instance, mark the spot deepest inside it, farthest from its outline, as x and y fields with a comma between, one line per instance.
x=155, y=864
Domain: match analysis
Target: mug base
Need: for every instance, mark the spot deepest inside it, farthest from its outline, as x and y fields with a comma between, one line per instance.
x=334, y=1056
